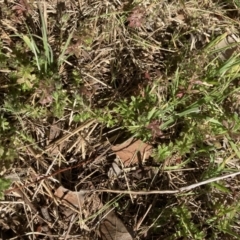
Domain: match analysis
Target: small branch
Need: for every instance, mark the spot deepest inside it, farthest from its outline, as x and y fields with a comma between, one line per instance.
x=182, y=189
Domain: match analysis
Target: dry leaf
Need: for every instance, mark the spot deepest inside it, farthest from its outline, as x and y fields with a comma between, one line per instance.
x=180, y=18
x=54, y=133
x=132, y=151
x=154, y=126
x=112, y=228
x=22, y=7
x=88, y=203
x=227, y=47
x=46, y=99
x=74, y=198
x=136, y=18
x=114, y=170
x=45, y=91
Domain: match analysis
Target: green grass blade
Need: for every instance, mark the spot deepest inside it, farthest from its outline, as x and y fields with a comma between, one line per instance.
x=61, y=58
x=48, y=53
x=33, y=47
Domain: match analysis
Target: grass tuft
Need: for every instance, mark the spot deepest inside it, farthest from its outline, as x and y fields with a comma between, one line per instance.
x=79, y=78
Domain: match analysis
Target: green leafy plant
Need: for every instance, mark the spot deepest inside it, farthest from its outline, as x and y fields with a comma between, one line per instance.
x=4, y=184
x=185, y=226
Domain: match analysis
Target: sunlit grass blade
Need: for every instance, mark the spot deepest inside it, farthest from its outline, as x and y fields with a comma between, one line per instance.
x=32, y=46
x=235, y=148
x=231, y=67
x=47, y=48
x=61, y=58
x=212, y=45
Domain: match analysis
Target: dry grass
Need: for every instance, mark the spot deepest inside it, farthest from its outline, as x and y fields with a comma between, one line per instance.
x=119, y=69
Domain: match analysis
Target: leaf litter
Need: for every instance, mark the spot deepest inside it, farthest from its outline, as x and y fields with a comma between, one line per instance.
x=56, y=207
x=133, y=151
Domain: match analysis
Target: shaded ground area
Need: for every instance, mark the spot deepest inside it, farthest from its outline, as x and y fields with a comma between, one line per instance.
x=111, y=112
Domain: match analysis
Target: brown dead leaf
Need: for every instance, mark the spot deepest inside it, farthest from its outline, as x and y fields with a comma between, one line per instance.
x=132, y=151
x=88, y=203
x=136, y=18
x=46, y=99
x=45, y=91
x=74, y=198
x=5, y=38
x=54, y=133
x=228, y=46
x=20, y=8
x=110, y=228
x=113, y=228
x=154, y=126
x=180, y=18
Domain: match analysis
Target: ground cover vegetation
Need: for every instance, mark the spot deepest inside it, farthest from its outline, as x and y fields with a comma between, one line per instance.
x=119, y=119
